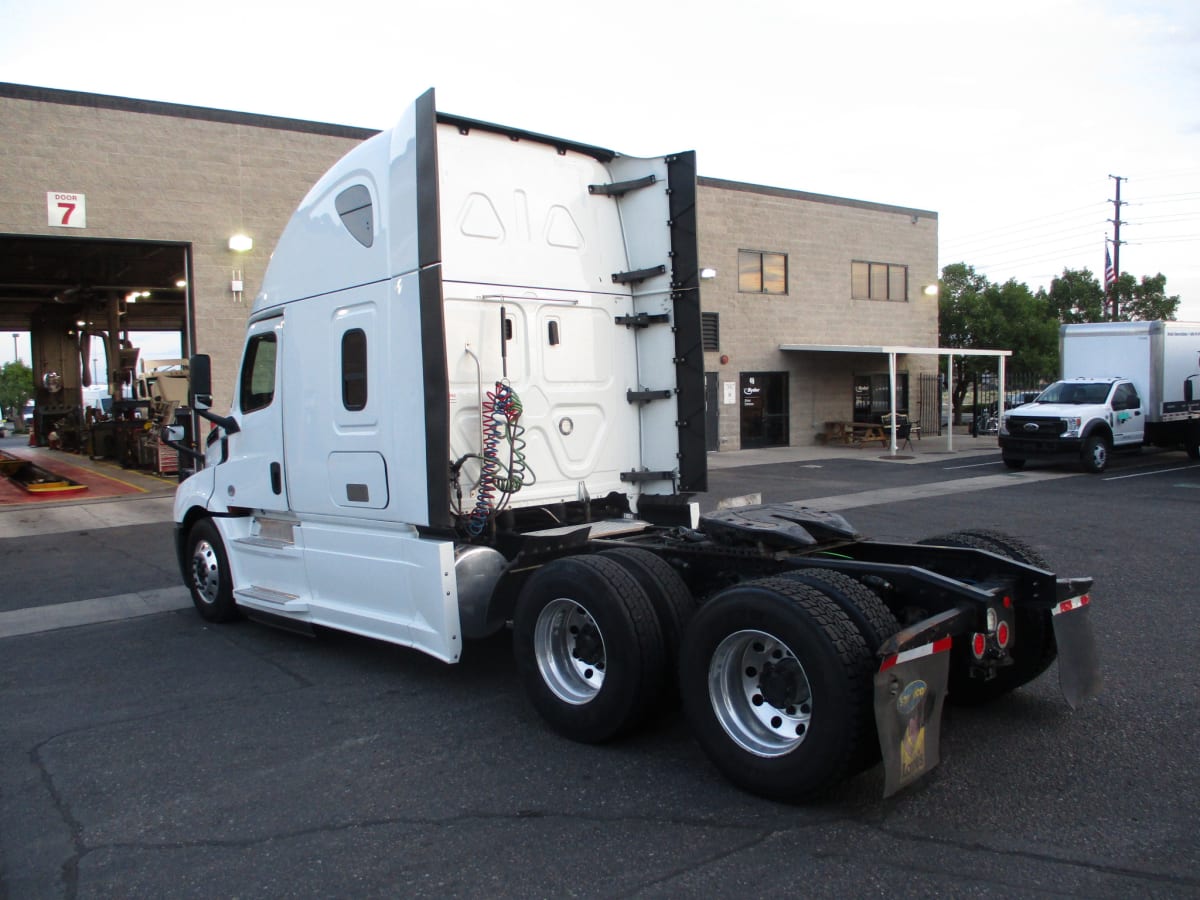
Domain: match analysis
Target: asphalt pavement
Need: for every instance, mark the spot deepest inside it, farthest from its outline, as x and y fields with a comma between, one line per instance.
x=146, y=753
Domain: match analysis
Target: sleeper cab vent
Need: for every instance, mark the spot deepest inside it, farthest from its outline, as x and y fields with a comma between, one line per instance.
x=354, y=206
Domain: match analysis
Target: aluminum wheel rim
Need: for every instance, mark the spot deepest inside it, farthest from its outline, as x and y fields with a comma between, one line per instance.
x=570, y=651
x=206, y=571
x=760, y=693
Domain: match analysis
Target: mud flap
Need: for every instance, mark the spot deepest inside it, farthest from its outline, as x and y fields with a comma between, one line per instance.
x=1078, y=658
x=910, y=688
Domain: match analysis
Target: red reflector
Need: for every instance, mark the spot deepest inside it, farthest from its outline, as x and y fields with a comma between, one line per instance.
x=978, y=645
x=1002, y=634
x=1008, y=602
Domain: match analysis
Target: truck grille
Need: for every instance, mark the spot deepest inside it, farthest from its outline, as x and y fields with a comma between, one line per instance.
x=1033, y=426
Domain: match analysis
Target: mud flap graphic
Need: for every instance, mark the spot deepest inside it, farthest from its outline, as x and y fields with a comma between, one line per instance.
x=1078, y=658
x=910, y=688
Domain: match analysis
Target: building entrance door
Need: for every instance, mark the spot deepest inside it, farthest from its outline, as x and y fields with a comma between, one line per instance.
x=764, y=406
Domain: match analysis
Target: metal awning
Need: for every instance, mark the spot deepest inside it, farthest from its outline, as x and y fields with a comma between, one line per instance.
x=892, y=351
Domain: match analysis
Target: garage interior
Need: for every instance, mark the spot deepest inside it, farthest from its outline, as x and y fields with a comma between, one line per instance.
x=85, y=303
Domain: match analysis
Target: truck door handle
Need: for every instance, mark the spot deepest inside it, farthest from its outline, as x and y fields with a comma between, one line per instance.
x=276, y=478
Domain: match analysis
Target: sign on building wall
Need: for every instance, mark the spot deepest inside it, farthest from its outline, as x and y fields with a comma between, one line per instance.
x=66, y=209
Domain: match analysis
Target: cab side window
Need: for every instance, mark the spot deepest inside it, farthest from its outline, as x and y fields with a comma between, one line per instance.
x=354, y=369
x=1126, y=397
x=257, y=386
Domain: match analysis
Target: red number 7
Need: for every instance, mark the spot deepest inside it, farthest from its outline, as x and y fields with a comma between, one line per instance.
x=70, y=208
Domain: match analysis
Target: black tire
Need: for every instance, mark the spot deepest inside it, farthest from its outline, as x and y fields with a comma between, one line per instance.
x=776, y=684
x=1033, y=648
x=866, y=609
x=874, y=621
x=588, y=648
x=1014, y=462
x=1093, y=455
x=208, y=576
x=1193, y=451
x=673, y=603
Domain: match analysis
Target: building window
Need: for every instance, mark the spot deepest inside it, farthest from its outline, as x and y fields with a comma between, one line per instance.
x=878, y=281
x=762, y=273
x=871, y=396
x=710, y=330
x=354, y=369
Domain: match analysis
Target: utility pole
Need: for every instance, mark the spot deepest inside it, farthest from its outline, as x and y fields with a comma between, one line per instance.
x=1111, y=288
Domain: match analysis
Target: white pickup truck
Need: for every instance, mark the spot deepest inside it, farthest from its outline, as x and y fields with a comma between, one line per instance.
x=1125, y=385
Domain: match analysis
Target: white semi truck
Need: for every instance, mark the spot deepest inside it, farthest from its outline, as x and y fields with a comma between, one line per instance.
x=471, y=398
x=1124, y=385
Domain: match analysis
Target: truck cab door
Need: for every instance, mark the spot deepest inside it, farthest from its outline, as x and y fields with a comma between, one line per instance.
x=253, y=474
x=1128, y=418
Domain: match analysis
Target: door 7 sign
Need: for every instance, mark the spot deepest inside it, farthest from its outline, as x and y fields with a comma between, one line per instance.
x=66, y=209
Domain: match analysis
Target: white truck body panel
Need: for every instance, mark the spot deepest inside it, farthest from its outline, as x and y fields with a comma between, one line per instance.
x=1158, y=357
x=451, y=255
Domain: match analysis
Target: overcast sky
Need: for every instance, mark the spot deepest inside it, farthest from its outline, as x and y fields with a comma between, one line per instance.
x=1007, y=119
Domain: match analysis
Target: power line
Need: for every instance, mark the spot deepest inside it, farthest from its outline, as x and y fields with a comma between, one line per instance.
x=1024, y=225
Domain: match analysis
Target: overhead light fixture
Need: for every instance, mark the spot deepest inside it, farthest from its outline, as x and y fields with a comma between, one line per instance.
x=181, y=283
x=240, y=243
x=708, y=273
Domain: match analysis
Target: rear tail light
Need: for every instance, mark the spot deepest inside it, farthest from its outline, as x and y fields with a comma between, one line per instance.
x=1003, y=634
x=979, y=645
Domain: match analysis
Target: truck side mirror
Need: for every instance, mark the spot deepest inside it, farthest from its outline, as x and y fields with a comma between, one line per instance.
x=200, y=380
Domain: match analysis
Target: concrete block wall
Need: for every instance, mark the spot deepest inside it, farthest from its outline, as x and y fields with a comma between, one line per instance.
x=162, y=172
x=821, y=237
x=159, y=172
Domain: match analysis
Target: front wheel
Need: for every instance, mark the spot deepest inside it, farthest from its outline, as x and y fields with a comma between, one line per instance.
x=776, y=684
x=208, y=576
x=1014, y=462
x=1093, y=456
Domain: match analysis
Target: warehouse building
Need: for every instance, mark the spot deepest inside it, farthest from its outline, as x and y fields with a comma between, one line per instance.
x=123, y=220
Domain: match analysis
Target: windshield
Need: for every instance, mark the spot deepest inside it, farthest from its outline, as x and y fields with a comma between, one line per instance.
x=1075, y=392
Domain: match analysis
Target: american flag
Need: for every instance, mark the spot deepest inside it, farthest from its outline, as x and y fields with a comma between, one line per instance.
x=1110, y=274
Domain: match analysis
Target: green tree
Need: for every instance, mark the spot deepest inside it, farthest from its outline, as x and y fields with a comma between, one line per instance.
x=16, y=387
x=1145, y=301
x=1076, y=296
x=973, y=313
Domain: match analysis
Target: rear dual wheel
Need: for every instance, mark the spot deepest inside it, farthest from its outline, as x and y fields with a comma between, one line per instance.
x=589, y=649
x=874, y=621
x=776, y=684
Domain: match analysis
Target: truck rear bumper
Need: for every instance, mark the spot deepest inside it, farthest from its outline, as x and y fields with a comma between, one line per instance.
x=910, y=685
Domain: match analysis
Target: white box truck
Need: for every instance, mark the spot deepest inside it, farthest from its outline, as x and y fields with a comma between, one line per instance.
x=1124, y=385
x=471, y=398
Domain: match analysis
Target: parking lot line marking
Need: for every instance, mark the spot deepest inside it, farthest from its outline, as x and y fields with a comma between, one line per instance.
x=933, y=489
x=37, y=619
x=1152, y=472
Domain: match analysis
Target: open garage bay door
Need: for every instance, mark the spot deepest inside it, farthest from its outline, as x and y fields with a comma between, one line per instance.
x=70, y=293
